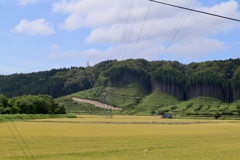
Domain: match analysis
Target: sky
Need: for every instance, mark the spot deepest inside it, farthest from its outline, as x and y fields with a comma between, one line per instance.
x=39, y=35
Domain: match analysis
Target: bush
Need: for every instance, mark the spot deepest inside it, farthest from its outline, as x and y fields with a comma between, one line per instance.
x=238, y=113
x=173, y=107
x=71, y=116
x=217, y=115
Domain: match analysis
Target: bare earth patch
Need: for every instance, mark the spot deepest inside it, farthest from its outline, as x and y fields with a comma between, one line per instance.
x=96, y=103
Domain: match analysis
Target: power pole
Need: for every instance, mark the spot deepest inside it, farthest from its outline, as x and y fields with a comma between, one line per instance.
x=110, y=96
x=88, y=64
x=103, y=103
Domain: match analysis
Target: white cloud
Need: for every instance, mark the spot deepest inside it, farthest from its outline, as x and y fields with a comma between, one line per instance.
x=195, y=48
x=73, y=22
x=107, y=19
x=36, y=27
x=110, y=35
x=26, y=2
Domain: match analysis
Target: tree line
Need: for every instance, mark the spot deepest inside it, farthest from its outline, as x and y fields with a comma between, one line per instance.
x=219, y=79
x=30, y=104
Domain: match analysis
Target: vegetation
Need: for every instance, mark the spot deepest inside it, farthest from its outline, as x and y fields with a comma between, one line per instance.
x=126, y=97
x=138, y=86
x=79, y=108
x=148, y=103
x=100, y=139
x=27, y=104
x=217, y=115
x=217, y=79
x=154, y=102
x=21, y=117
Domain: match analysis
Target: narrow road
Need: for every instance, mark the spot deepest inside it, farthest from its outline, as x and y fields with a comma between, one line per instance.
x=96, y=103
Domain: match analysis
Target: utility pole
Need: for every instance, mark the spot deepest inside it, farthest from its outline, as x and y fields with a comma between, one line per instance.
x=88, y=64
x=103, y=103
x=110, y=96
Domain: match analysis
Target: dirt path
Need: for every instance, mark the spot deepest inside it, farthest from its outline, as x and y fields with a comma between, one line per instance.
x=96, y=103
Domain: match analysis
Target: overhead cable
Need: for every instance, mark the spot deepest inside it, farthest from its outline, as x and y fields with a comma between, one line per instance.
x=150, y=31
x=176, y=30
x=207, y=13
x=142, y=27
x=17, y=141
x=125, y=29
x=23, y=140
x=140, y=1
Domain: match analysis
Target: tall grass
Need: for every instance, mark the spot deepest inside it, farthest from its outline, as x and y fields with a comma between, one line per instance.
x=60, y=139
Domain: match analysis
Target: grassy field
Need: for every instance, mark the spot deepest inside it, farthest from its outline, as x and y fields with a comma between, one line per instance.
x=155, y=102
x=134, y=100
x=123, y=137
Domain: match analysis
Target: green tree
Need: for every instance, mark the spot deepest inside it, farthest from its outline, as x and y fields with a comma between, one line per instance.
x=3, y=101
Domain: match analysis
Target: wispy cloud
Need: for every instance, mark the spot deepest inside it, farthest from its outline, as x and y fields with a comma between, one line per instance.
x=36, y=27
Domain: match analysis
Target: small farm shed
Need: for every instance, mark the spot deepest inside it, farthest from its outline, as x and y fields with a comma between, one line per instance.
x=167, y=116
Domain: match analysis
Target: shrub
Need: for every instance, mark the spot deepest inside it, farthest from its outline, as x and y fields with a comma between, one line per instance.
x=238, y=107
x=71, y=116
x=217, y=115
x=238, y=113
x=173, y=107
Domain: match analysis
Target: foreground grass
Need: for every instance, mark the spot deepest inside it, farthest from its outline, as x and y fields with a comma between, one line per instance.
x=70, y=139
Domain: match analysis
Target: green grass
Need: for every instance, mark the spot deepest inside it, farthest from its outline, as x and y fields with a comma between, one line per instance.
x=17, y=117
x=78, y=108
x=154, y=102
x=126, y=97
x=67, y=139
x=199, y=104
x=134, y=100
x=93, y=94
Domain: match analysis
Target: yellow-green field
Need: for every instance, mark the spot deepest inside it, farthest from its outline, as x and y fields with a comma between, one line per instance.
x=120, y=138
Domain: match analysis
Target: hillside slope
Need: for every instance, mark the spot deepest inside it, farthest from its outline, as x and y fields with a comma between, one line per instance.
x=216, y=79
x=135, y=101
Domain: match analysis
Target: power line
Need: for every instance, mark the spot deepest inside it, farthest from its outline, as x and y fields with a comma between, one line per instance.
x=23, y=140
x=17, y=141
x=207, y=13
x=177, y=31
x=150, y=31
x=125, y=28
x=140, y=1
x=142, y=27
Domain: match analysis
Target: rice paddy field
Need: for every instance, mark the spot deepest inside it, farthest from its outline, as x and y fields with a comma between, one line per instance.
x=120, y=138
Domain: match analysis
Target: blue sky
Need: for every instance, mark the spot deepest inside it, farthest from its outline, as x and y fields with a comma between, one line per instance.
x=38, y=35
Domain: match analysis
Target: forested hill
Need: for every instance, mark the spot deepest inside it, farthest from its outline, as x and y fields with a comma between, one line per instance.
x=219, y=79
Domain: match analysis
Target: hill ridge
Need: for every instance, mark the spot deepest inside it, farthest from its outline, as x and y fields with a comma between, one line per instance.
x=218, y=79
